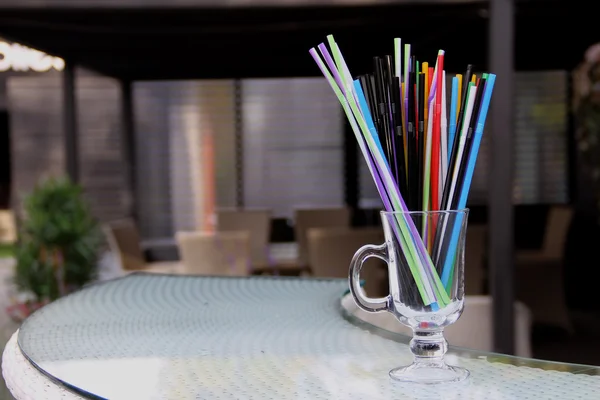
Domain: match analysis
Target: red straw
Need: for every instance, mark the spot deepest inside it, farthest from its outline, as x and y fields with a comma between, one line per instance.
x=435, y=148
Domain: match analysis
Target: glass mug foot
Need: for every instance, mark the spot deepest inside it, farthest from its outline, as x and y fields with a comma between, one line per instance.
x=426, y=373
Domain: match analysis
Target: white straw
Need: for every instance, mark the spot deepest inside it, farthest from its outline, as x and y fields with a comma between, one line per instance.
x=444, y=138
x=398, y=57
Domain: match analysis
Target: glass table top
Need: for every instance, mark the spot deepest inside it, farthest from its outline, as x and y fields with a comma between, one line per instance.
x=180, y=337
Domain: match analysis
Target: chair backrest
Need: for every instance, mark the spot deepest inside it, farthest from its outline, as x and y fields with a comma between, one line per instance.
x=124, y=240
x=256, y=222
x=317, y=218
x=475, y=271
x=473, y=329
x=210, y=253
x=557, y=229
x=330, y=251
x=8, y=227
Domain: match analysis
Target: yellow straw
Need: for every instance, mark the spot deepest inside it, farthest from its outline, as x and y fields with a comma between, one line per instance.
x=459, y=76
x=404, y=132
x=426, y=72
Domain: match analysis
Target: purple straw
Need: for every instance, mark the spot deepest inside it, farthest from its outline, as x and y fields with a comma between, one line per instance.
x=406, y=89
x=381, y=188
x=332, y=67
x=393, y=142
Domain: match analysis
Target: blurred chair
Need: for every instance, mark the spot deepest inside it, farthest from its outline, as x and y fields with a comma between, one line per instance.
x=124, y=240
x=316, y=218
x=473, y=329
x=330, y=251
x=8, y=227
x=539, y=273
x=475, y=250
x=221, y=253
x=257, y=223
x=559, y=219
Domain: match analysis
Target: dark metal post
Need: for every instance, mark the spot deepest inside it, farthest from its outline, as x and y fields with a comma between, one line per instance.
x=129, y=156
x=239, y=144
x=351, y=176
x=501, y=245
x=70, y=122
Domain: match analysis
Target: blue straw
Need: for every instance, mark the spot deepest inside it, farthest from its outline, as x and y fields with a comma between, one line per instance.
x=464, y=194
x=452, y=125
x=362, y=102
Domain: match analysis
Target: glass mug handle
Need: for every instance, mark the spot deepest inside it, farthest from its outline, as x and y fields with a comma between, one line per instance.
x=364, y=302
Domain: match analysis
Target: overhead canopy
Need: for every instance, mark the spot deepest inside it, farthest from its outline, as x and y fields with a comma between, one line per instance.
x=125, y=40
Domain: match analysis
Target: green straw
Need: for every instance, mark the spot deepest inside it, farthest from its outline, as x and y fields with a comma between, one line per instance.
x=414, y=259
x=397, y=56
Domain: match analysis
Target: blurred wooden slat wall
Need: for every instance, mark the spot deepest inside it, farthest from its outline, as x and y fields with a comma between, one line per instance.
x=36, y=126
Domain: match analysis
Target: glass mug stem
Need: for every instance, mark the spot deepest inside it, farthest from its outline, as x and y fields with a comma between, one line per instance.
x=428, y=346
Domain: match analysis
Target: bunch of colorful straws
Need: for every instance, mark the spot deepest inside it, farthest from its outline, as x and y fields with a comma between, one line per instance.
x=420, y=157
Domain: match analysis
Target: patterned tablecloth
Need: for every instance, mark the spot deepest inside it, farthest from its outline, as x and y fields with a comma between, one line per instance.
x=174, y=337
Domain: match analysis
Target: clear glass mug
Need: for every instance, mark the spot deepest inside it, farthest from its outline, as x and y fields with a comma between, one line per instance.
x=424, y=252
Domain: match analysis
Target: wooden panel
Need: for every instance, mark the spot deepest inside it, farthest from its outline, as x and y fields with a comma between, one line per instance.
x=36, y=126
x=36, y=123
x=102, y=170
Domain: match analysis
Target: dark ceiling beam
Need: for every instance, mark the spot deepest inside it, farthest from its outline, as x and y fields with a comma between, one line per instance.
x=235, y=43
x=219, y=4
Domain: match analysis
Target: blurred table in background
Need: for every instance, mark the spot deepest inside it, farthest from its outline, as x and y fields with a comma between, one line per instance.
x=283, y=257
x=283, y=260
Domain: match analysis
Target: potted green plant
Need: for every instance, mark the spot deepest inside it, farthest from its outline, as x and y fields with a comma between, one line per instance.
x=58, y=245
